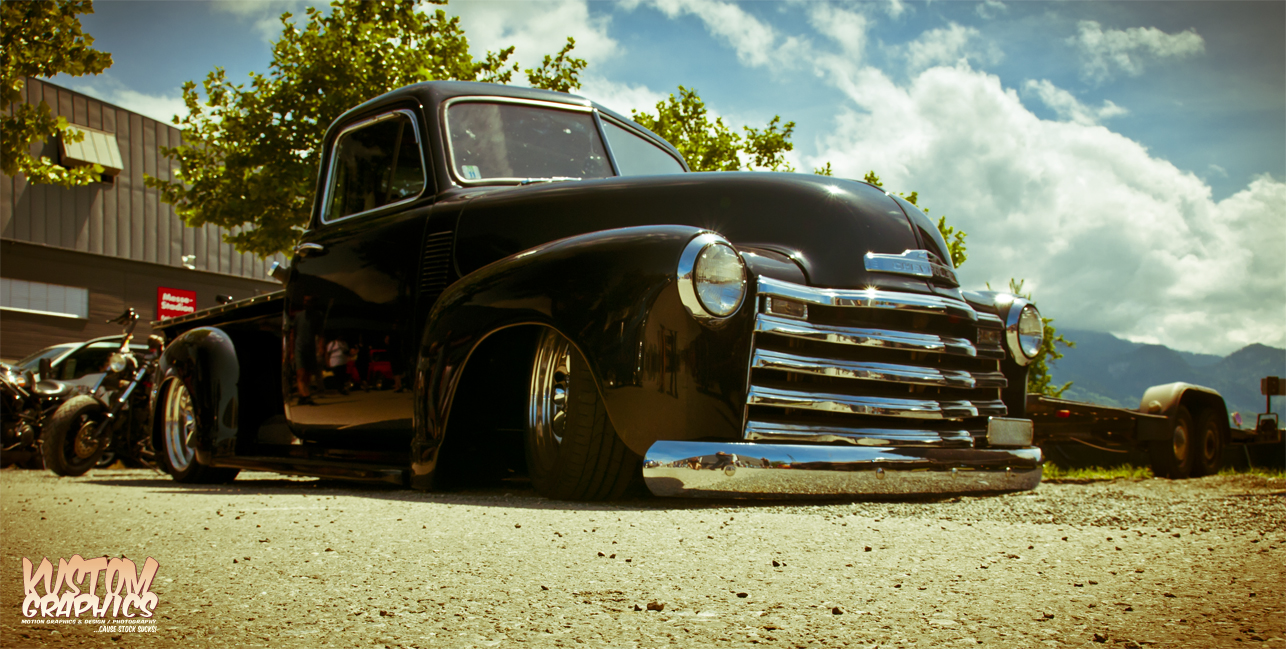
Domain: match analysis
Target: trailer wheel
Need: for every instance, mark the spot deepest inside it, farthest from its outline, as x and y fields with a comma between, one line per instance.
x=1209, y=440
x=1175, y=457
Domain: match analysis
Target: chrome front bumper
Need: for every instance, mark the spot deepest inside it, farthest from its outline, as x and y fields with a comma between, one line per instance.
x=742, y=470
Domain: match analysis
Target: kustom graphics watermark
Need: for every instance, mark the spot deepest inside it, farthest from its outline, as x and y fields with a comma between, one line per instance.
x=74, y=591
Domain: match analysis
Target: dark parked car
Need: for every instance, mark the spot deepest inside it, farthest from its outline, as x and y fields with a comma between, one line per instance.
x=561, y=297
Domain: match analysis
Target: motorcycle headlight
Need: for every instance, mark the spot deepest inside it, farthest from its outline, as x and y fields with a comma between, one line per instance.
x=118, y=362
x=1024, y=331
x=712, y=278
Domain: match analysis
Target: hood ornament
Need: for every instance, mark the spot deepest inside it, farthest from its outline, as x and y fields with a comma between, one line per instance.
x=916, y=263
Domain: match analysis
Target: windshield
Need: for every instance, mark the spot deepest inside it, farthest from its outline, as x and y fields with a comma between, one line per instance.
x=32, y=362
x=516, y=142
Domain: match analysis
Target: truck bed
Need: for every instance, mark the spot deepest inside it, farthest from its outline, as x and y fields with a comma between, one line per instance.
x=259, y=306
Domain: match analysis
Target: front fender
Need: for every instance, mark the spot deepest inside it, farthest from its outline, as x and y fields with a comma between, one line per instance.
x=613, y=294
x=205, y=360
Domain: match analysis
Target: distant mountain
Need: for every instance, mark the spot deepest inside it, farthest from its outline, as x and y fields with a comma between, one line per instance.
x=1107, y=370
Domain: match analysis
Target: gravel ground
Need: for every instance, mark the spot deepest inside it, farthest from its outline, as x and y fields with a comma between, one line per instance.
x=272, y=560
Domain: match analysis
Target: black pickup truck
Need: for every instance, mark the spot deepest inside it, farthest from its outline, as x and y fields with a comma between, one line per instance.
x=543, y=288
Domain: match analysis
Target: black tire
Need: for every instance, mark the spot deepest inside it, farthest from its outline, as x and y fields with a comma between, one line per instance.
x=67, y=441
x=1210, y=443
x=1175, y=458
x=178, y=424
x=573, y=452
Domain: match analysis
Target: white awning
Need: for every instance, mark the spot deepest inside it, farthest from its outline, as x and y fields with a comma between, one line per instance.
x=98, y=147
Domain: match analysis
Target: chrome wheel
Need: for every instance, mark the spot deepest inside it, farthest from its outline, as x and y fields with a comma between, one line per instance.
x=550, y=385
x=180, y=426
x=85, y=445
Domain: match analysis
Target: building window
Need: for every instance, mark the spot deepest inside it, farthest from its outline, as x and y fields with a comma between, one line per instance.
x=47, y=299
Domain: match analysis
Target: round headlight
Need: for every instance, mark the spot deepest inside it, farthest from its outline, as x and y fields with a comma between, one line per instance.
x=1024, y=331
x=712, y=278
x=118, y=362
x=720, y=279
x=1031, y=331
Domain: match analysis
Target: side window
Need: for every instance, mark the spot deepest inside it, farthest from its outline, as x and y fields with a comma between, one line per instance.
x=375, y=164
x=636, y=156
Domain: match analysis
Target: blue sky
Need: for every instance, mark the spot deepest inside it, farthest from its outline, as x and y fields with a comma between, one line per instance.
x=1127, y=159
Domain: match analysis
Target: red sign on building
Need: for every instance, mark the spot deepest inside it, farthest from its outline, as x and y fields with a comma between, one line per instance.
x=174, y=302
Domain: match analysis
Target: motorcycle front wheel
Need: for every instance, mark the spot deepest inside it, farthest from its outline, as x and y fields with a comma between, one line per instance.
x=69, y=443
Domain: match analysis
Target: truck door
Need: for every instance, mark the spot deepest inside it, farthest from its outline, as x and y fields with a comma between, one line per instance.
x=351, y=294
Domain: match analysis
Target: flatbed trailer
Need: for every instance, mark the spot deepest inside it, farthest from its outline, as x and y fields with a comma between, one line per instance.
x=1183, y=428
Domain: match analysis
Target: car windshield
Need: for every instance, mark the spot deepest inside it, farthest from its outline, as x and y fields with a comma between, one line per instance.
x=493, y=141
x=32, y=362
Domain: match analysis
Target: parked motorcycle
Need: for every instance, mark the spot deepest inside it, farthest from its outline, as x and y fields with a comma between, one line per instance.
x=25, y=405
x=111, y=423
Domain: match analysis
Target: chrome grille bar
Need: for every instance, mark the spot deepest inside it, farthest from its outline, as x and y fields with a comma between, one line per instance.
x=870, y=405
x=905, y=374
x=771, y=324
x=769, y=431
x=868, y=298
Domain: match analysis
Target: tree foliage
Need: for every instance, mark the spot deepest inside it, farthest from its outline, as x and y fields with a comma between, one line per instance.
x=710, y=145
x=559, y=72
x=1038, y=379
x=251, y=153
x=42, y=39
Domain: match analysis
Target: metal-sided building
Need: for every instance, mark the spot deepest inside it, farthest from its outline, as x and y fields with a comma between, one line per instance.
x=71, y=259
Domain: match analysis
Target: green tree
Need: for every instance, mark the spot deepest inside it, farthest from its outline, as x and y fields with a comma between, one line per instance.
x=559, y=72
x=709, y=145
x=250, y=153
x=42, y=39
x=1038, y=379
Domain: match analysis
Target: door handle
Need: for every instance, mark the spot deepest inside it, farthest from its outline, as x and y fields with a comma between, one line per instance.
x=310, y=249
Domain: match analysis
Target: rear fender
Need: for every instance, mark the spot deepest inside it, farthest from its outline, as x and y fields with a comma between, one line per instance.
x=1166, y=399
x=613, y=295
x=205, y=360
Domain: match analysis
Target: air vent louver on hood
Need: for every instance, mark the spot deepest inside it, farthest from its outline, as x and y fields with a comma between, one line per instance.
x=435, y=267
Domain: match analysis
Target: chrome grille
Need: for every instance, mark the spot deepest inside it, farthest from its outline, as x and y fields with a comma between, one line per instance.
x=871, y=367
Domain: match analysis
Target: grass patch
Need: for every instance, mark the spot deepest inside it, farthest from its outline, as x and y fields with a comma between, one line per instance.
x=1263, y=472
x=1124, y=472
x=1053, y=472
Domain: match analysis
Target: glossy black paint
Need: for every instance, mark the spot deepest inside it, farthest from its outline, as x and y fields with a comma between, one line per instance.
x=824, y=224
x=613, y=295
x=595, y=260
x=205, y=360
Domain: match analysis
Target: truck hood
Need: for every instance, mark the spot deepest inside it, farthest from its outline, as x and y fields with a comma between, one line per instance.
x=826, y=225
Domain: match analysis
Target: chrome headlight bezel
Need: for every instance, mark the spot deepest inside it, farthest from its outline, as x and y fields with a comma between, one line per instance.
x=712, y=301
x=1024, y=331
x=118, y=362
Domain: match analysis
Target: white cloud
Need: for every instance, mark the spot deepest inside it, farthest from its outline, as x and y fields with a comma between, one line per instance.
x=757, y=44
x=1068, y=107
x=161, y=108
x=265, y=15
x=534, y=29
x=990, y=8
x=1108, y=237
x=620, y=97
x=895, y=8
x=949, y=46
x=1104, y=52
x=846, y=28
